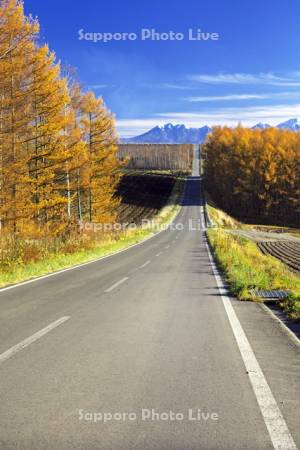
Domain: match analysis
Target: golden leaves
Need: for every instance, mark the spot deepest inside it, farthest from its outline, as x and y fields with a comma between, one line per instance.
x=255, y=173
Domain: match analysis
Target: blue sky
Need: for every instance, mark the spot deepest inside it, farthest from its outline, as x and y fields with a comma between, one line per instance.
x=250, y=74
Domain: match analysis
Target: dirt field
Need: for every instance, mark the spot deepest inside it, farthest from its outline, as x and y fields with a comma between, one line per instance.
x=144, y=194
x=283, y=246
x=287, y=251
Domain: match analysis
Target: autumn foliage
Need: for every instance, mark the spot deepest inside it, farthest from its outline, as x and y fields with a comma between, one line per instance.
x=255, y=174
x=58, y=152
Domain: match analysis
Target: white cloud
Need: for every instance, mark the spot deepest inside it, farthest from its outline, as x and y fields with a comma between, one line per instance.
x=100, y=86
x=232, y=97
x=133, y=127
x=182, y=87
x=218, y=116
x=226, y=97
x=247, y=79
x=272, y=114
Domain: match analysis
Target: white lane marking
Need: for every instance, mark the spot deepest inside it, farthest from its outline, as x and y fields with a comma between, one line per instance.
x=287, y=330
x=275, y=423
x=167, y=246
x=145, y=264
x=201, y=221
x=26, y=342
x=158, y=254
x=111, y=288
x=78, y=266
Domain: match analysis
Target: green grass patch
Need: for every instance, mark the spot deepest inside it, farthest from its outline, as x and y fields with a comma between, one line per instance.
x=246, y=268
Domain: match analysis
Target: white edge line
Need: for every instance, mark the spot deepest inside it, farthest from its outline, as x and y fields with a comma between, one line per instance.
x=111, y=288
x=78, y=266
x=275, y=423
x=285, y=328
x=26, y=342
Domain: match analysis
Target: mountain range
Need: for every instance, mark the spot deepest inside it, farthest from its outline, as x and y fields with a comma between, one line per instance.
x=291, y=124
x=171, y=134
x=179, y=134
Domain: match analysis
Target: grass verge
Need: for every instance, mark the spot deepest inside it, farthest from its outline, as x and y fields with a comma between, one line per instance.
x=59, y=260
x=220, y=219
x=246, y=268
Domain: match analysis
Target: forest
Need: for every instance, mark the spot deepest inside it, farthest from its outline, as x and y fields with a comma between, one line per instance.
x=255, y=174
x=58, y=144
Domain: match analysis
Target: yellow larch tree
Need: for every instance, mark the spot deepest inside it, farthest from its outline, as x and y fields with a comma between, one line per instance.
x=104, y=167
x=255, y=174
x=17, y=44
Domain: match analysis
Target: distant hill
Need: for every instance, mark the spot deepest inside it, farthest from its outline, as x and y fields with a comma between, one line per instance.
x=171, y=134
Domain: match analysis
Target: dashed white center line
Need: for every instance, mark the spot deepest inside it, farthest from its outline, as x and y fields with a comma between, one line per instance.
x=145, y=264
x=158, y=254
x=201, y=218
x=201, y=222
x=111, y=288
x=26, y=342
x=167, y=246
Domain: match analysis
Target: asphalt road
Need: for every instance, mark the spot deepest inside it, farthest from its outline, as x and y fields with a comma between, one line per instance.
x=145, y=332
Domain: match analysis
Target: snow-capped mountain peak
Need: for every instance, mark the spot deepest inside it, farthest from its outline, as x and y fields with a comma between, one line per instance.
x=261, y=126
x=291, y=124
x=180, y=134
x=172, y=134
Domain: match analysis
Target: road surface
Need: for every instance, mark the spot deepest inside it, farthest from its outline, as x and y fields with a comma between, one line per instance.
x=145, y=332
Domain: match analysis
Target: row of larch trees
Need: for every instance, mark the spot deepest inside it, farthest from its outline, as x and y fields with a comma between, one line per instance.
x=58, y=152
x=157, y=156
x=255, y=174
